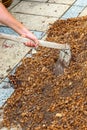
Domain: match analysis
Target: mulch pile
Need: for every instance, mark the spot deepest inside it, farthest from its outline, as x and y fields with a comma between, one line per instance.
x=43, y=100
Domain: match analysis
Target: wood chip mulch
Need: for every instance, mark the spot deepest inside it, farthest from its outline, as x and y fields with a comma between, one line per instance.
x=43, y=100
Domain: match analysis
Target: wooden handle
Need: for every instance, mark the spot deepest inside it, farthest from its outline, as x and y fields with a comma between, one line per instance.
x=54, y=45
x=42, y=43
x=14, y=38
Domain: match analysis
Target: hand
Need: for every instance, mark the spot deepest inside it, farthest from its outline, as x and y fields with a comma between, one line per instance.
x=33, y=42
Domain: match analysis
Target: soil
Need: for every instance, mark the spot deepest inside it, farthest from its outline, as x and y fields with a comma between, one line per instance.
x=43, y=100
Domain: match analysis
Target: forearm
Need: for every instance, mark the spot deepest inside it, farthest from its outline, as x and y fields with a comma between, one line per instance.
x=7, y=19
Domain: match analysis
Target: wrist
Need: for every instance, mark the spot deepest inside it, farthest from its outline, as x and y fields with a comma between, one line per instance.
x=19, y=28
x=24, y=31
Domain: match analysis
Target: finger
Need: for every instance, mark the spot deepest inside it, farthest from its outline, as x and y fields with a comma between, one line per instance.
x=34, y=40
x=30, y=44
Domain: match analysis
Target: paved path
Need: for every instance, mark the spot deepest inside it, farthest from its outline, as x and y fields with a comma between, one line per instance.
x=36, y=15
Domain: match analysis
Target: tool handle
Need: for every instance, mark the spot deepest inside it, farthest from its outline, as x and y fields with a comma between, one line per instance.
x=54, y=45
x=14, y=38
x=41, y=42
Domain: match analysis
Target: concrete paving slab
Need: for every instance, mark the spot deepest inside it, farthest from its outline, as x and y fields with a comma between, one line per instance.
x=5, y=92
x=7, y=30
x=5, y=85
x=44, y=38
x=4, y=29
x=15, y=2
x=1, y=42
x=81, y=2
x=84, y=12
x=6, y=80
x=0, y=80
x=38, y=23
x=38, y=34
x=62, y=1
x=43, y=9
x=10, y=54
x=74, y=11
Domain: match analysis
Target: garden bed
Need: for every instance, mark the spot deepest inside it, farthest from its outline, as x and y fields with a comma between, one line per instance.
x=43, y=100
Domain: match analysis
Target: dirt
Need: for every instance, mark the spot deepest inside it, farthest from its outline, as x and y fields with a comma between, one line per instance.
x=43, y=100
x=58, y=68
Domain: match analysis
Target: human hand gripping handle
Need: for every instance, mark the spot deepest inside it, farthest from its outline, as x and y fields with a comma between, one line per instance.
x=33, y=41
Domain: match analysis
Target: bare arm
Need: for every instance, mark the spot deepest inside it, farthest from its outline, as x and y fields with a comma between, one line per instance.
x=7, y=19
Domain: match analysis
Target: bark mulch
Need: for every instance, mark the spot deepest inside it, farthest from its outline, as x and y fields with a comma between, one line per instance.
x=43, y=100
